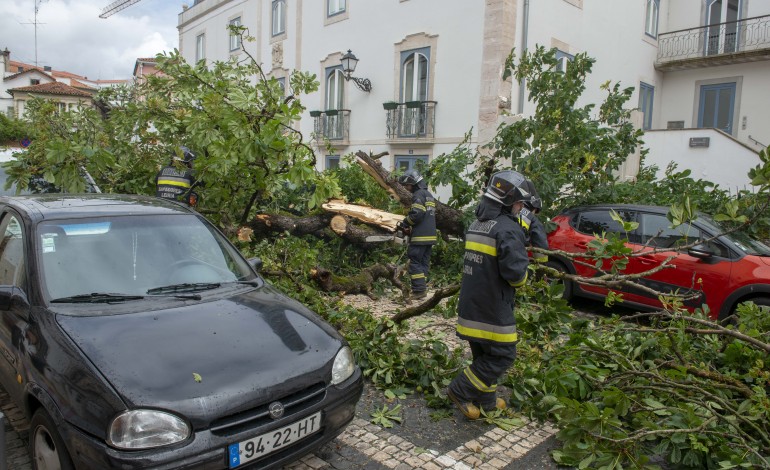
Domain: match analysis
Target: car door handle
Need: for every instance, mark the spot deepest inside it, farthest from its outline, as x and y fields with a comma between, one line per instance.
x=582, y=245
x=647, y=260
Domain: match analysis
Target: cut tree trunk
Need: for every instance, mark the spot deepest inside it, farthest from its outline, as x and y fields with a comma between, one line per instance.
x=360, y=283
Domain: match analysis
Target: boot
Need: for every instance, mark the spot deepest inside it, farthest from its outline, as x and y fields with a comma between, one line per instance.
x=468, y=409
x=418, y=295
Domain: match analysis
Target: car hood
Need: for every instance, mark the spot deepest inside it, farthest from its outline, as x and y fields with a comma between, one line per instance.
x=209, y=359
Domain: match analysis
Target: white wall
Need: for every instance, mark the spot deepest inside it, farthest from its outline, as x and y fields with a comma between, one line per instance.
x=725, y=162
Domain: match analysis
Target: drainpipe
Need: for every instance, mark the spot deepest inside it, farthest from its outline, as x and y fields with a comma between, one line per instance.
x=524, y=34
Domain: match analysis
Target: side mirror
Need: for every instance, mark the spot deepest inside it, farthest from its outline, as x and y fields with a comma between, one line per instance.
x=256, y=264
x=700, y=251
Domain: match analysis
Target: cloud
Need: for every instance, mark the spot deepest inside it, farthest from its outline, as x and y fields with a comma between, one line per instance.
x=72, y=37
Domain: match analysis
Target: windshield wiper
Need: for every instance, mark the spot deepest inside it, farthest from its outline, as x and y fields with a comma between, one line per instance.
x=186, y=287
x=97, y=297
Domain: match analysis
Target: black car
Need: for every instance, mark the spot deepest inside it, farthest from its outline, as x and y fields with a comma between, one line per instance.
x=134, y=335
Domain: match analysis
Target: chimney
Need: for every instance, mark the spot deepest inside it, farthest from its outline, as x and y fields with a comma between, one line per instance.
x=46, y=68
x=6, y=58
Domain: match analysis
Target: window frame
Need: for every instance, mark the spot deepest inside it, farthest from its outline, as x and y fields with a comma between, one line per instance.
x=646, y=96
x=200, y=47
x=415, y=54
x=20, y=279
x=652, y=18
x=280, y=5
x=235, y=40
x=335, y=73
x=341, y=7
x=332, y=158
x=562, y=60
x=730, y=87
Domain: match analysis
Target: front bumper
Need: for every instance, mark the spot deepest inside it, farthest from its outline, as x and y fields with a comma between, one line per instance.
x=207, y=451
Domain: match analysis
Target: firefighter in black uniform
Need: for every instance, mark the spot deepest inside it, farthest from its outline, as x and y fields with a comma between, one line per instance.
x=420, y=225
x=534, y=229
x=177, y=184
x=495, y=264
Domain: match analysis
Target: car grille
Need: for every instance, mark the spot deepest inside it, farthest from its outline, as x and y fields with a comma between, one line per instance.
x=255, y=417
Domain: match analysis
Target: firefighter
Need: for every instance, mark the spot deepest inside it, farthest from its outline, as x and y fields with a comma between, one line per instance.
x=533, y=228
x=495, y=264
x=177, y=184
x=420, y=225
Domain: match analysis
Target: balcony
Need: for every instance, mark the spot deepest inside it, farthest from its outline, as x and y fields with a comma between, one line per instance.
x=732, y=42
x=410, y=121
x=332, y=124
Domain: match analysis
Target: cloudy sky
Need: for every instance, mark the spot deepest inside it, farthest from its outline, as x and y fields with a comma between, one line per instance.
x=72, y=37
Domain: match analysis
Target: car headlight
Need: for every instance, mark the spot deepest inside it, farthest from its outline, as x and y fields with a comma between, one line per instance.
x=145, y=429
x=343, y=365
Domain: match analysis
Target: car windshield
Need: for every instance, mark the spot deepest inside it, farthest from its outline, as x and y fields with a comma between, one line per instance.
x=742, y=241
x=136, y=255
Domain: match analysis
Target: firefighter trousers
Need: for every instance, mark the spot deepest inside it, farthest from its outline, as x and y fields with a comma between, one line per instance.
x=419, y=263
x=477, y=383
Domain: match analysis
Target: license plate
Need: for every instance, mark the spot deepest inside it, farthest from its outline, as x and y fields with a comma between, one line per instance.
x=256, y=447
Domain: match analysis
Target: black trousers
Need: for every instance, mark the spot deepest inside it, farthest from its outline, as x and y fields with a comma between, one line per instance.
x=419, y=264
x=477, y=383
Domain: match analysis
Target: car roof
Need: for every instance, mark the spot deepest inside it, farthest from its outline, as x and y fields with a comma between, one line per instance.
x=58, y=206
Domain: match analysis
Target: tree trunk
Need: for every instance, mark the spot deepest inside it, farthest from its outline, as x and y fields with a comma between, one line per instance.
x=360, y=283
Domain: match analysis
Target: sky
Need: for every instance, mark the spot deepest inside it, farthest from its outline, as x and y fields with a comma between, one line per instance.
x=71, y=36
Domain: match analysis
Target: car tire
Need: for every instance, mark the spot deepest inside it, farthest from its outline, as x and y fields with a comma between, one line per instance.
x=732, y=316
x=46, y=446
x=568, y=287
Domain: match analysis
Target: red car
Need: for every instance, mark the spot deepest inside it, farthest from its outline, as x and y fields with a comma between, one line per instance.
x=722, y=272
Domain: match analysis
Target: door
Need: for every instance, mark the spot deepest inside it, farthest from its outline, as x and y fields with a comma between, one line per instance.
x=414, y=92
x=722, y=26
x=716, y=106
x=690, y=276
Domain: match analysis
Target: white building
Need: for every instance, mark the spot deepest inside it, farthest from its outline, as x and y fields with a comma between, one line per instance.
x=441, y=61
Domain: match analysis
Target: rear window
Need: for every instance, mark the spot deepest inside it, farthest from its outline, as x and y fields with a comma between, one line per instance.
x=596, y=222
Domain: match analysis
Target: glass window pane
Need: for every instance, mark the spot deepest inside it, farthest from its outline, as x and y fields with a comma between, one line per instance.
x=709, y=108
x=423, y=74
x=409, y=80
x=724, y=110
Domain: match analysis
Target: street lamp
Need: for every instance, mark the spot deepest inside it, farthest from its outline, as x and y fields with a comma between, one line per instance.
x=349, y=62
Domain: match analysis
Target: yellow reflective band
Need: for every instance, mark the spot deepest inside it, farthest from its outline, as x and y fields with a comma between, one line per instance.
x=519, y=283
x=476, y=382
x=524, y=223
x=417, y=276
x=430, y=204
x=481, y=248
x=418, y=206
x=409, y=221
x=182, y=184
x=482, y=334
x=424, y=239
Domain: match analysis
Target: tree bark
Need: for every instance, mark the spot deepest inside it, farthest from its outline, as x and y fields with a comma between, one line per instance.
x=360, y=283
x=448, y=220
x=427, y=304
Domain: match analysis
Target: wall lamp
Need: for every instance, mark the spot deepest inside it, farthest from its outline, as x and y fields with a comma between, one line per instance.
x=349, y=62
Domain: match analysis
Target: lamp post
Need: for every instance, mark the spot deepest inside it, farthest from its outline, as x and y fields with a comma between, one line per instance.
x=349, y=62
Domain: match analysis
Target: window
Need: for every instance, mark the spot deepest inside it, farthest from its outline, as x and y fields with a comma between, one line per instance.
x=34, y=81
x=562, y=59
x=646, y=95
x=200, y=47
x=332, y=162
x=716, y=106
x=279, y=17
x=12, y=272
x=9, y=112
x=651, y=18
x=722, y=26
x=409, y=162
x=656, y=231
x=414, y=75
x=596, y=222
x=335, y=87
x=282, y=83
x=235, y=40
x=334, y=7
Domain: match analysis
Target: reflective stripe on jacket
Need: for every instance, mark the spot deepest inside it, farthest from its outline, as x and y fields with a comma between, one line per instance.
x=422, y=217
x=535, y=233
x=495, y=263
x=172, y=183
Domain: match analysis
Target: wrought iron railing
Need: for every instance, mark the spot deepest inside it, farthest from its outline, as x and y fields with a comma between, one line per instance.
x=413, y=119
x=731, y=37
x=332, y=124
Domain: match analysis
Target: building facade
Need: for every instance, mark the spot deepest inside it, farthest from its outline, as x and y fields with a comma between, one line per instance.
x=430, y=71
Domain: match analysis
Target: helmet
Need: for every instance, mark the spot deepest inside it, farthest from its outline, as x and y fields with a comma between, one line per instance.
x=507, y=187
x=410, y=177
x=534, y=203
x=187, y=155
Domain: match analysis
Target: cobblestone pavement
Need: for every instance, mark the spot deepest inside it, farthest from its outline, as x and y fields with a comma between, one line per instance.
x=418, y=443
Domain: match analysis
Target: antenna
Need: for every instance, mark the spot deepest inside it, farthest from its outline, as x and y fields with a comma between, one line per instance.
x=115, y=7
x=35, y=23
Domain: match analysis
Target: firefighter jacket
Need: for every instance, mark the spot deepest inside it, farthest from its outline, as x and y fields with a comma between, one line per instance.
x=422, y=216
x=172, y=183
x=535, y=232
x=495, y=263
